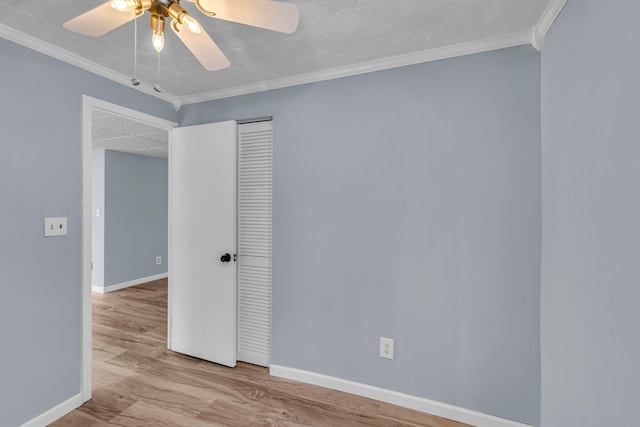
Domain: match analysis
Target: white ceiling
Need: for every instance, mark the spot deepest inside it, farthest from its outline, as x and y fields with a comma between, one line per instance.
x=129, y=136
x=334, y=38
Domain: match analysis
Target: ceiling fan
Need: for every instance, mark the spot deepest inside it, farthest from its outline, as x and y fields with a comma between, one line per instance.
x=269, y=14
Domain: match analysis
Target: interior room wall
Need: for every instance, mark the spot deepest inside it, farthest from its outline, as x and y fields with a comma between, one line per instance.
x=407, y=205
x=590, y=176
x=136, y=226
x=40, y=175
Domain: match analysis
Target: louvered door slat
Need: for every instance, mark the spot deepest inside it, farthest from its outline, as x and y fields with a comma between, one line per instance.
x=255, y=150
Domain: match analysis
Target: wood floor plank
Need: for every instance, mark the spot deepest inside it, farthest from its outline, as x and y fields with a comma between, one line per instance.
x=105, y=404
x=102, y=351
x=242, y=413
x=144, y=415
x=78, y=419
x=187, y=401
x=104, y=374
x=138, y=382
x=143, y=344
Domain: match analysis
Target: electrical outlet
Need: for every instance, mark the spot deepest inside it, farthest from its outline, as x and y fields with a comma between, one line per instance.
x=386, y=348
x=158, y=260
x=55, y=226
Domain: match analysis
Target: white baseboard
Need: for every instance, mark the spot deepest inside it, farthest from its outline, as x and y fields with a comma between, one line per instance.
x=443, y=410
x=253, y=357
x=118, y=286
x=56, y=412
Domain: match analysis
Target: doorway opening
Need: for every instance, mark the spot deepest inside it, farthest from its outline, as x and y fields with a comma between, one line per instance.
x=129, y=202
x=118, y=135
x=254, y=155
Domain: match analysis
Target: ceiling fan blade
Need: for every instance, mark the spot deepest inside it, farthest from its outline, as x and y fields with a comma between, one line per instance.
x=99, y=21
x=269, y=14
x=203, y=48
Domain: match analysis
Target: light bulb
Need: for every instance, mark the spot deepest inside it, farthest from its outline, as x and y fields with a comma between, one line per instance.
x=191, y=24
x=158, y=41
x=123, y=5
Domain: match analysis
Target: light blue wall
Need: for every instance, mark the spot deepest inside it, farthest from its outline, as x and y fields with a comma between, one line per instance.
x=407, y=205
x=591, y=209
x=40, y=175
x=136, y=228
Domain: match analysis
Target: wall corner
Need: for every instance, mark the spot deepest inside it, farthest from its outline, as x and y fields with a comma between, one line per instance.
x=546, y=20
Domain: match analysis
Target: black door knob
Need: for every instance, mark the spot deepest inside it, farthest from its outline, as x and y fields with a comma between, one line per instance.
x=225, y=258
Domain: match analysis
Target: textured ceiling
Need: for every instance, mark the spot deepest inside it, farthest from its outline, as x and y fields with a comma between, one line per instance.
x=331, y=34
x=121, y=134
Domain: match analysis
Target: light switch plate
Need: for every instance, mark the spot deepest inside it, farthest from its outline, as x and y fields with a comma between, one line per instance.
x=55, y=226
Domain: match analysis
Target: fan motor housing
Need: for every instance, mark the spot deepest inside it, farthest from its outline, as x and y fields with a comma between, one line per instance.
x=161, y=7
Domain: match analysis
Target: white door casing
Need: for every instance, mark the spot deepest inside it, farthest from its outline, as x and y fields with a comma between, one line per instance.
x=89, y=105
x=202, y=218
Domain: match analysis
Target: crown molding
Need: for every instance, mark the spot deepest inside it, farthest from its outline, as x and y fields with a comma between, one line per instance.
x=546, y=20
x=508, y=40
x=63, y=55
x=462, y=49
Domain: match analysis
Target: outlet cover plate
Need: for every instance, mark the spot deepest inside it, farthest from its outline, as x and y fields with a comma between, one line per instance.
x=55, y=226
x=386, y=348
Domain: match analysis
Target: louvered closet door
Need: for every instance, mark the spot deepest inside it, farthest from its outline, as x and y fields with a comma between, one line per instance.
x=254, y=242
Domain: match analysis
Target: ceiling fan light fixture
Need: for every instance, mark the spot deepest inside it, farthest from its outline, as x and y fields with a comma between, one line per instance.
x=191, y=24
x=157, y=25
x=181, y=15
x=157, y=39
x=124, y=5
x=268, y=14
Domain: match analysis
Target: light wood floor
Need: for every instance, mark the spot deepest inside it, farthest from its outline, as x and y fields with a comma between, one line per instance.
x=138, y=382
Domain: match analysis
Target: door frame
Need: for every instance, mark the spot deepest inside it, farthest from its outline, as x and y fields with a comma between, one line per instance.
x=88, y=105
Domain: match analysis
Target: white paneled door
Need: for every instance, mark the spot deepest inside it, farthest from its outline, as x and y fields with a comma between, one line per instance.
x=202, y=216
